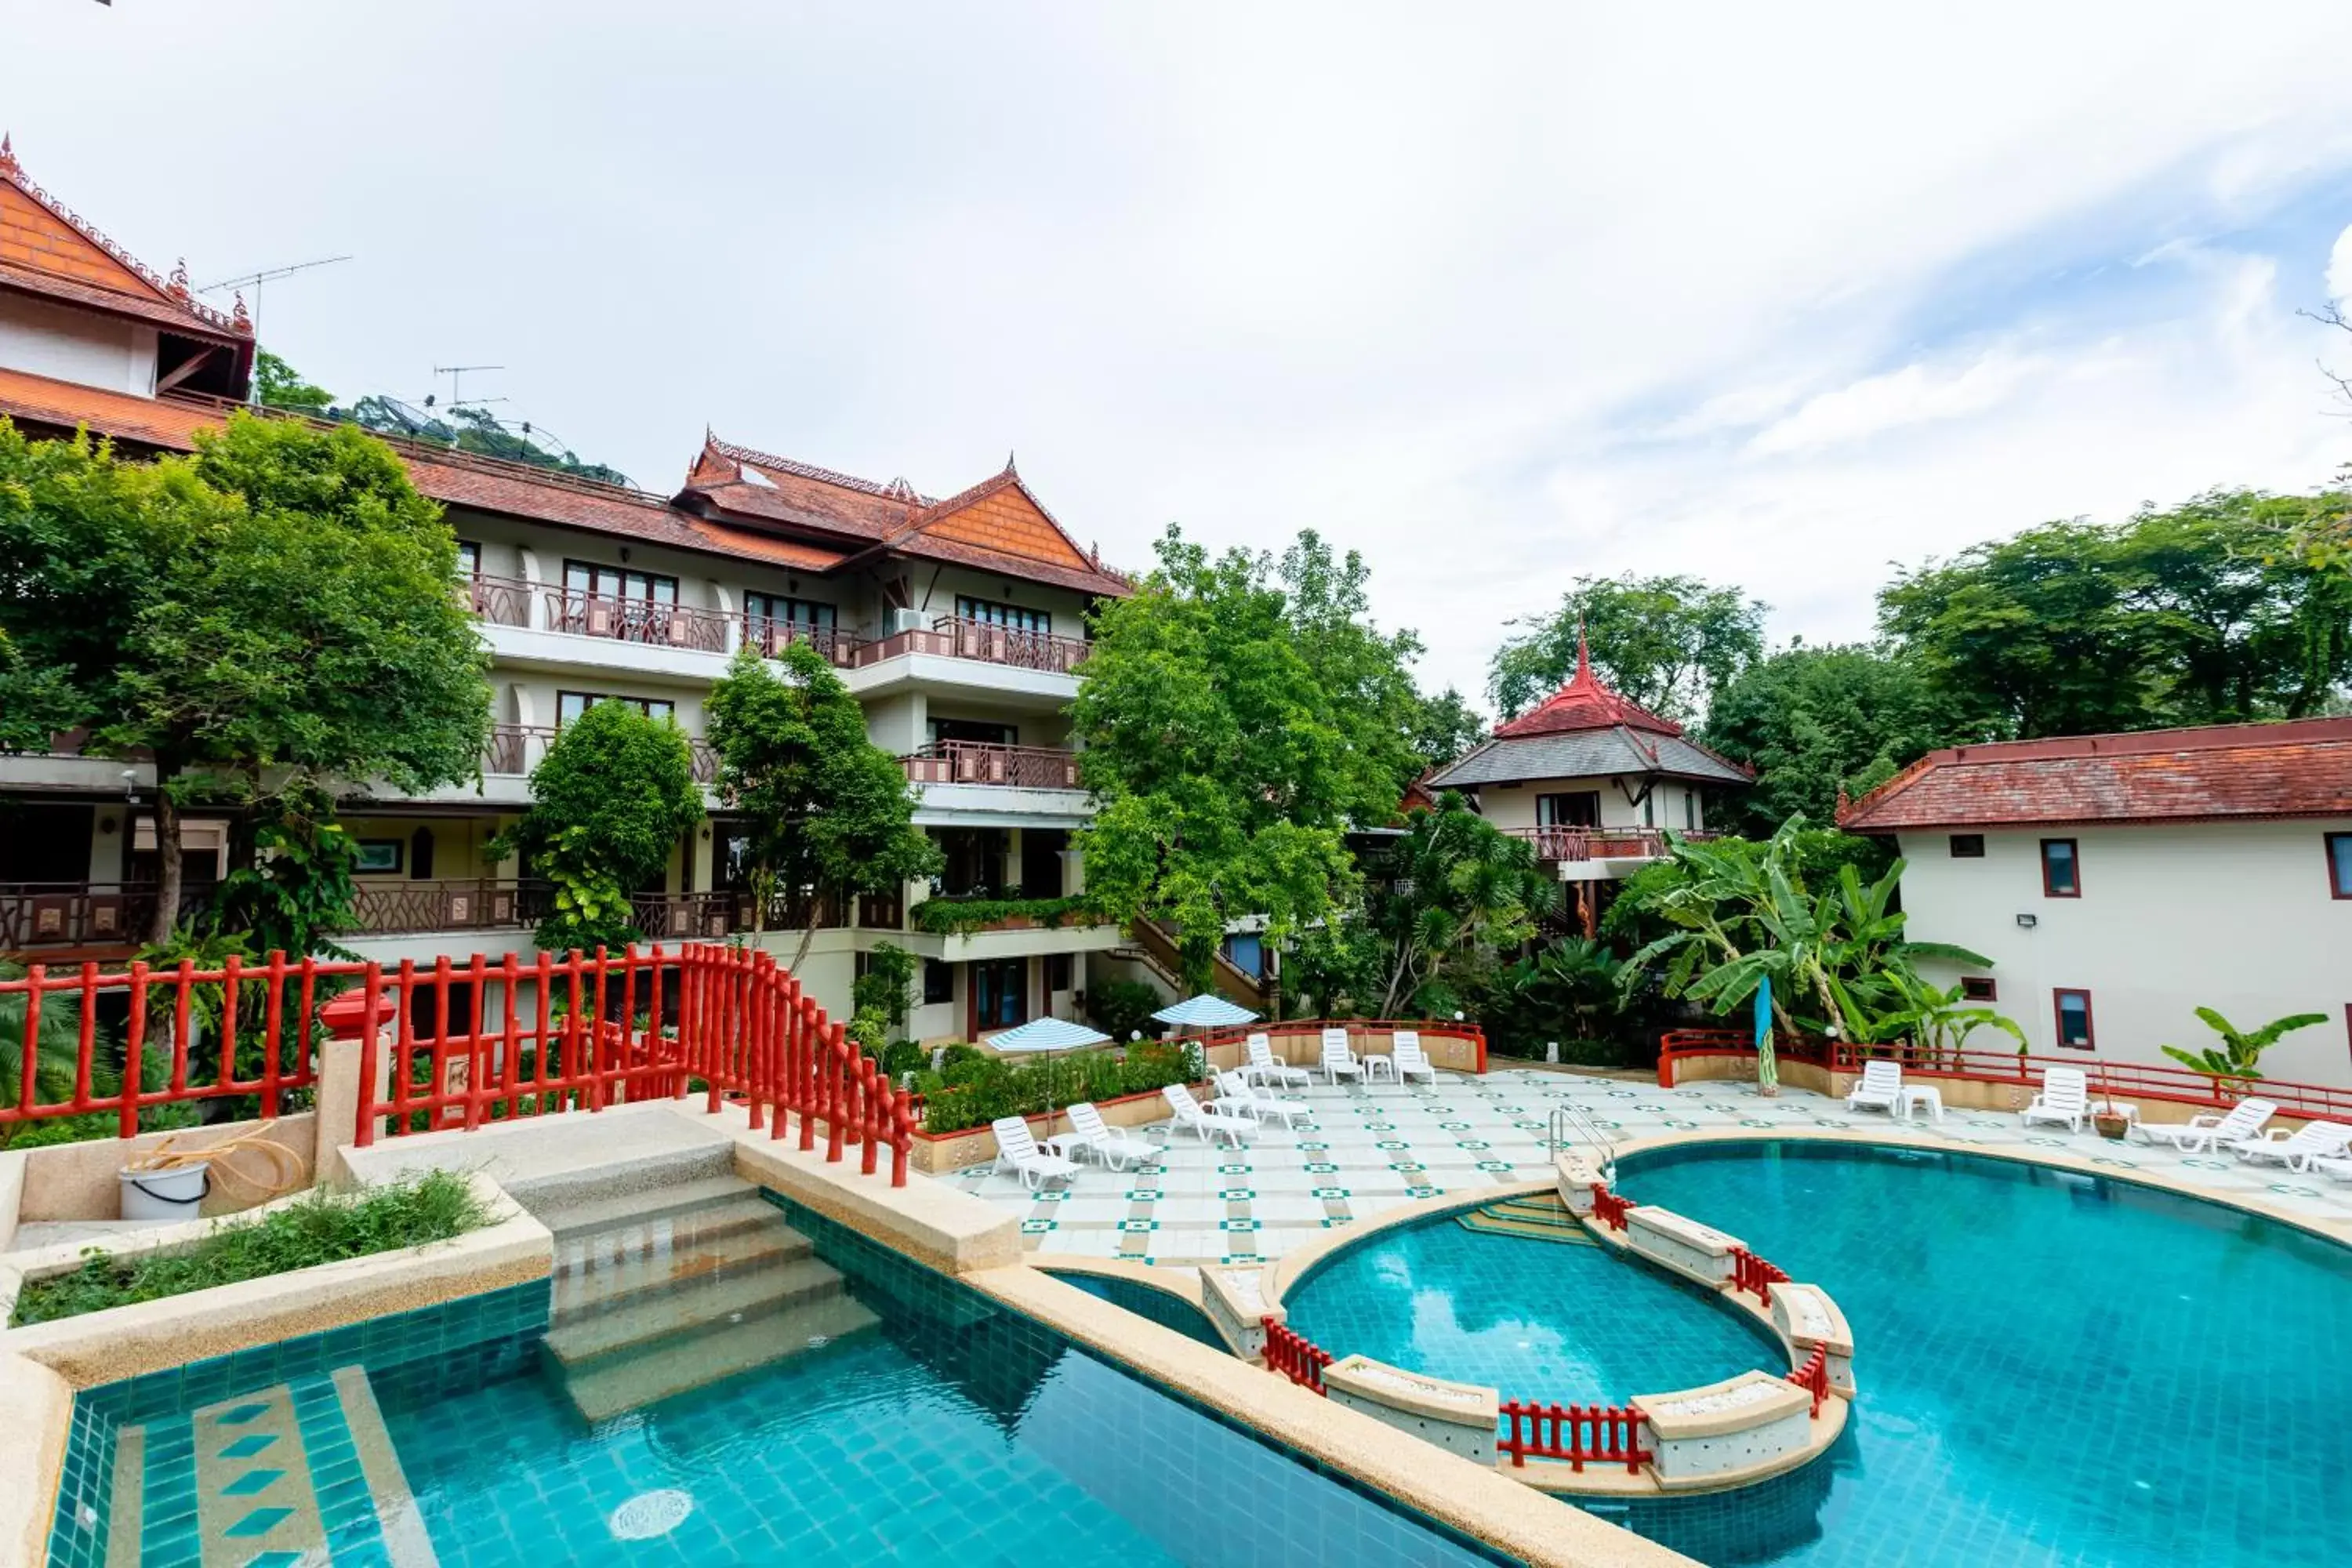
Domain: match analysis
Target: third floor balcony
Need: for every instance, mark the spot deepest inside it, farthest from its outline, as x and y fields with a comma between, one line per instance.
x=983, y=763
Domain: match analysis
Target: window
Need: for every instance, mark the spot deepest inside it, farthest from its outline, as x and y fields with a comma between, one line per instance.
x=1577, y=808
x=470, y=558
x=570, y=705
x=1690, y=810
x=583, y=577
x=2074, y=1019
x=770, y=620
x=1978, y=988
x=380, y=858
x=1967, y=846
x=1650, y=807
x=973, y=729
x=989, y=612
x=2061, y=872
x=999, y=994
x=613, y=602
x=938, y=982
x=2340, y=864
x=1057, y=972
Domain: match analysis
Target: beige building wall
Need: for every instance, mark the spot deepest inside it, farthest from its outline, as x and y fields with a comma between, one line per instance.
x=1672, y=803
x=2237, y=916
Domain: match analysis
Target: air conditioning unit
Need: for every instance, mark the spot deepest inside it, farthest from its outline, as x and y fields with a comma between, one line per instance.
x=906, y=621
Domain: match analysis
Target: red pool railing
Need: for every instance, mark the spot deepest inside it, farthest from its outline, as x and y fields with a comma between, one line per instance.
x=1296, y=1357
x=1755, y=1275
x=1579, y=1434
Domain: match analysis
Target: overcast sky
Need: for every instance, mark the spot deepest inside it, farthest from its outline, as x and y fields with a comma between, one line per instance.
x=1496, y=295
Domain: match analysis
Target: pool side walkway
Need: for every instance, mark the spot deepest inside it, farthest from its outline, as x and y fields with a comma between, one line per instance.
x=1364, y=1153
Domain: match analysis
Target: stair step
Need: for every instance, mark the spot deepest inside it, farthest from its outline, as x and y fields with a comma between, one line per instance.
x=1533, y=1214
x=568, y=1219
x=603, y=1280
x=614, y=1384
x=1485, y=1221
x=656, y=1315
x=675, y=1163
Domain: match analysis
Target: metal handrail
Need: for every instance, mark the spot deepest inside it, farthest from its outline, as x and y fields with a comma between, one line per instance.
x=1570, y=1124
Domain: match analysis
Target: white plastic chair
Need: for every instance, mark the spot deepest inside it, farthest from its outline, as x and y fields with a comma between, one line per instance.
x=1881, y=1088
x=1016, y=1147
x=1264, y=1066
x=1405, y=1052
x=1114, y=1150
x=1209, y=1124
x=2338, y=1167
x=2065, y=1096
x=1339, y=1061
x=1233, y=1090
x=2296, y=1150
x=2205, y=1133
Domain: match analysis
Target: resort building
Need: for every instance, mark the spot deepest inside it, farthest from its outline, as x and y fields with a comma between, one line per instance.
x=957, y=622
x=2119, y=882
x=1596, y=781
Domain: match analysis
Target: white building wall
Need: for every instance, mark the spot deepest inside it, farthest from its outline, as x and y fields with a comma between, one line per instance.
x=2238, y=917
x=1514, y=805
x=76, y=346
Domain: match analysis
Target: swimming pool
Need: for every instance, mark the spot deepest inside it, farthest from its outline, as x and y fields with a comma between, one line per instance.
x=2054, y=1368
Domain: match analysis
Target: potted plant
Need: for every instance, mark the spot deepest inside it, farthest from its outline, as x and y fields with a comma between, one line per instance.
x=2108, y=1119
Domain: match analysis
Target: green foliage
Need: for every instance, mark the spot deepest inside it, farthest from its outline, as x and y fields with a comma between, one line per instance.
x=1814, y=720
x=301, y=889
x=2208, y=613
x=1443, y=727
x=1439, y=903
x=949, y=917
x=1817, y=855
x=829, y=812
x=1238, y=716
x=320, y=1227
x=902, y=1057
x=56, y=1050
x=608, y=803
x=976, y=1090
x=1667, y=643
x=886, y=985
x=1935, y=1021
x=1568, y=992
x=1122, y=1008
x=2238, y=1057
x=277, y=385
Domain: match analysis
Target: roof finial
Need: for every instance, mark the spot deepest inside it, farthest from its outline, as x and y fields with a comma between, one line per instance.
x=239, y=318
x=179, y=281
x=1008, y=459
x=1583, y=656
x=7, y=155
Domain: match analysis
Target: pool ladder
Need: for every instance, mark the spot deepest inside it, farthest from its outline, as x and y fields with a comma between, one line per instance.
x=1572, y=1126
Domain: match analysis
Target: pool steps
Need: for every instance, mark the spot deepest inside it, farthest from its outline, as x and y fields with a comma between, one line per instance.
x=661, y=1292
x=1538, y=1216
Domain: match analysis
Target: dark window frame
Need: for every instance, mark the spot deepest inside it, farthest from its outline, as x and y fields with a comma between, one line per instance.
x=2073, y=866
x=470, y=558
x=999, y=612
x=1979, y=988
x=645, y=705
x=2339, y=863
x=938, y=982
x=2058, y=995
x=1548, y=803
x=1967, y=846
x=1061, y=972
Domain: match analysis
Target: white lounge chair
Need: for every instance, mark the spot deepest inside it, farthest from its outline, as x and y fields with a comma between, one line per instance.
x=2205, y=1133
x=1339, y=1061
x=2296, y=1150
x=1016, y=1147
x=1116, y=1149
x=2336, y=1165
x=1881, y=1088
x=1234, y=1092
x=1209, y=1123
x=1264, y=1066
x=2065, y=1096
x=1405, y=1051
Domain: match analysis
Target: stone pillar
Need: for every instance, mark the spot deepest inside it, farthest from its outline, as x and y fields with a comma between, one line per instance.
x=337, y=1127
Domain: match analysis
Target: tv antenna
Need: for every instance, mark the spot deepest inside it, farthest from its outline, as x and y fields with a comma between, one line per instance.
x=254, y=280
x=456, y=373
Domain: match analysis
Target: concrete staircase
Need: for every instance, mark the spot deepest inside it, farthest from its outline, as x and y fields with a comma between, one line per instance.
x=662, y=1290
x=1538, y=1216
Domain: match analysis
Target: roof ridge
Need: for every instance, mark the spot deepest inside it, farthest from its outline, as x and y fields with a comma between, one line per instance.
x=897, y=489
x=172, y=291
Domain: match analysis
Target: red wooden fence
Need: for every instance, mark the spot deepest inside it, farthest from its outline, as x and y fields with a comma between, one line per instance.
x=1755, y=1275
x=1607, y=1434
x=1813, y=1377
x=1609, y=1208
x=1296, y=1357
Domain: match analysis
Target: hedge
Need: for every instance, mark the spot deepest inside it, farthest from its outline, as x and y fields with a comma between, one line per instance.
x=976, y=1092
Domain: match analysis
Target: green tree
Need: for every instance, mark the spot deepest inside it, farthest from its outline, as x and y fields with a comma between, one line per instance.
x=829, y=812
x=1814, y=720
x=1239, y=715
x=1442, y=728
x=2207, y=613
x=299, y=889
x=609, y=801
x=274, y=614
x=2238, y=1059
x=1667, y=643
x=277, y=385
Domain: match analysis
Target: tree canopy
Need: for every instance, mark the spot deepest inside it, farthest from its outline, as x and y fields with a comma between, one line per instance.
x=463, y=427
x=1667, y=643
x=1239, y=714
x=828, y=812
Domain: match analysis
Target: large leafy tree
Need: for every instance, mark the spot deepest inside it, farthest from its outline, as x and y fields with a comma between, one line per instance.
x=829, y=812
x=1667, y=643
x=2207, y=613
x=1814, y=720
x=609, y=801
x=1441, y=906
x=1239, y=714
x=1443, y=727
x=273, y=614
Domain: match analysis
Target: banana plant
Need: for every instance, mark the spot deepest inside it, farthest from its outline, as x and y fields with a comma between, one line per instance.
x=2236, y=1061
x=1936, y=1021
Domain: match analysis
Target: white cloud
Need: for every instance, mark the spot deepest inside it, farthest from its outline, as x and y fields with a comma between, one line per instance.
x=1916, y=394
x=2339, y=268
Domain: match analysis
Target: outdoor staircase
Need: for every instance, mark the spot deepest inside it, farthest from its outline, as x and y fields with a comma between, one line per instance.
x=1537, y=1216
x=663, y=1291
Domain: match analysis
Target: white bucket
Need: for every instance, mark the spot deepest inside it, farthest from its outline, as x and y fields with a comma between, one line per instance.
x=171, y=1194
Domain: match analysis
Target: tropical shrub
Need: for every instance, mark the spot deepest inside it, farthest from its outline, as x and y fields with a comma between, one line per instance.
x=977, y=1089
x=1121, y=1008
x=2238, y=1057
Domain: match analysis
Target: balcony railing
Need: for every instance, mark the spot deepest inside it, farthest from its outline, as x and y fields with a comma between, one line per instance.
x=456, y=904
x=771, y=637
x=983, y=762
x=76, y=914
x=515, y=749
x=634, y=620
x=502, y=601
x=1599, y=843
x=950, y=637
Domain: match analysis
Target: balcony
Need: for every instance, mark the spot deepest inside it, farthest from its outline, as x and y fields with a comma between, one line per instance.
x=417, y=909
x=950, y=637
x=983, y=762
x=515, y=749
x=1618, y=850
x=37, y=915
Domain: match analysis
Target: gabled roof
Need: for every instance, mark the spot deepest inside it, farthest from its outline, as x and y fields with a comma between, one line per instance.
x=1587, y=754
x=47, y=249
x=1586, y=702
x=2302, y=768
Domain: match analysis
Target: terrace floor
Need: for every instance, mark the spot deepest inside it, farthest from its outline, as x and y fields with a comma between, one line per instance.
x=1365, y=1152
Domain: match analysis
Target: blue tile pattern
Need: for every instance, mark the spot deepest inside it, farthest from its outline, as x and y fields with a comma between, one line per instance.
x=2054, y=1369
x=1169, y=1312
x=346, y=1512
x=86, y=1494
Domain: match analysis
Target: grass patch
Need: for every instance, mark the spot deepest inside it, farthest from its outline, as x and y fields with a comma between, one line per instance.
x=321, y=1228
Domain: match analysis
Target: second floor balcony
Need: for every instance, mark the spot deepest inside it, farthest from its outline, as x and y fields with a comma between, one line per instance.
x=1576, y=846
x=516, y=749
x=984, y=762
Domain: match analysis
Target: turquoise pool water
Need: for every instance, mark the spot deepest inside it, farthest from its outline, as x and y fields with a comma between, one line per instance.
x=2054, y=1369
x=1537, y=1320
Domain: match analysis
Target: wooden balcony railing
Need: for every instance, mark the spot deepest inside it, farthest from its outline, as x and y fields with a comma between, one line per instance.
x=982, y=762
x=76, y=914
x=1601, y=843
x=772, y=636
x=950, y=637
x=704, y=759
x=466, y=903
x=634, y=620
x=514, y=748
x=502, y=601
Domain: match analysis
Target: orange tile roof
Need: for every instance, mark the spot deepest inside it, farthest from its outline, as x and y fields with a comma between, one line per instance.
x=2302, y=768
x=64, y=405
x=1586, y=702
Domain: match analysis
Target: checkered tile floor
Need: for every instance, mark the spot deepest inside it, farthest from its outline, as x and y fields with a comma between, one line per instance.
x=1362, y=1152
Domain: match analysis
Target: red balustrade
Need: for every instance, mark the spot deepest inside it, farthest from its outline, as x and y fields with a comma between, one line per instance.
x=1603, y=1433
x=1755, y=1275
x=1296, y=1357
x=1813, y=1377
x=1609, y=1208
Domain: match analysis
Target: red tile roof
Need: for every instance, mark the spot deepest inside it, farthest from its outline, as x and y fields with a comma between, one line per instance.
x=65, y=405
x=1586, y=702
x=2302, y=768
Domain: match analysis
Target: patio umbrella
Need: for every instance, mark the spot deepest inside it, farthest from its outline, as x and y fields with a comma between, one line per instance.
x=1205, y=1011
x=1046, y=1037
